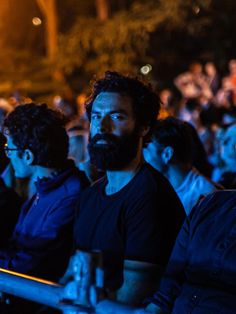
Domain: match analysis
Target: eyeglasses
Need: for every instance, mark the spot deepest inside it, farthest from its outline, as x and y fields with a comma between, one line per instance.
x=8, y=150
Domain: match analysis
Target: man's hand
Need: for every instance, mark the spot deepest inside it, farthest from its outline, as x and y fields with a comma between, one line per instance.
x=68, y=276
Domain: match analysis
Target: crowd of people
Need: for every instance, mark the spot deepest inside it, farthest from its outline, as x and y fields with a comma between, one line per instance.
x=137, y=177
x=207, y=101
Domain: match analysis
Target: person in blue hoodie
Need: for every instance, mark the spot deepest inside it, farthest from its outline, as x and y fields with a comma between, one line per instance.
x=37, y=145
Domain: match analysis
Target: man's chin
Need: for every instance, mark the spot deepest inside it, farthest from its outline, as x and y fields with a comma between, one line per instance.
x=108, y=164
x=104, y=146
x=19, y=176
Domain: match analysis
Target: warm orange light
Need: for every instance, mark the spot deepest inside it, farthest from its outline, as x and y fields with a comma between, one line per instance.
x=36, y=21
x=28, y=277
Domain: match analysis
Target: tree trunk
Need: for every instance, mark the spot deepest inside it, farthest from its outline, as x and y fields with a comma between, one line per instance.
x=102, y=7
x=5, y=10
x=48, y=9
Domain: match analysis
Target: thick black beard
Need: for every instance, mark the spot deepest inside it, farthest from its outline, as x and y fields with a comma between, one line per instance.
x=116, y=154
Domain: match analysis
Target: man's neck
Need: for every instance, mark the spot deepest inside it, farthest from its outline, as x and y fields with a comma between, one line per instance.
x=120, y=178
x=177, y=174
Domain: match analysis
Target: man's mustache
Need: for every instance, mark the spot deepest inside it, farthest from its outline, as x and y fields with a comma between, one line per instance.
x=109, y=138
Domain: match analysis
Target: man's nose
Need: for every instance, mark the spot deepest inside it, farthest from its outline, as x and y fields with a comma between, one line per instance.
x=106, y=124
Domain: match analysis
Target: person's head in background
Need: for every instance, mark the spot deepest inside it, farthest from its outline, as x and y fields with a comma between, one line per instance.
x=4, y=160
x=168, y=103
x=228, y=148
x=67, y=107
x=176, y=144
x=171, y=146
x=78, y=141
x=200, y=158
x=196, y=68
x=190, y=112
x=210, y=69
x=5, y=108
x=78, y=151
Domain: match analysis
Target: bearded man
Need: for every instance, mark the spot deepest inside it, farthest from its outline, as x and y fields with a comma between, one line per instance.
x=132, y=214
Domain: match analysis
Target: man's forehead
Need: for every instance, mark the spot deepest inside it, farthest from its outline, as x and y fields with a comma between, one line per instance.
x=113, y=101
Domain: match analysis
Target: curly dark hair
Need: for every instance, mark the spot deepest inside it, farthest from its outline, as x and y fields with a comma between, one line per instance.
x=145, y=102
x=40, y=129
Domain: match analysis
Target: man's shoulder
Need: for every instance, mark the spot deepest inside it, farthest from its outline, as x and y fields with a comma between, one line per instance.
x=221, y=197
x=152, y=179
x=152, y=190
x=215, y=202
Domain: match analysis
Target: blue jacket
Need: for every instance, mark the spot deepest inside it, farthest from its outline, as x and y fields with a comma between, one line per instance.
x=42, y=239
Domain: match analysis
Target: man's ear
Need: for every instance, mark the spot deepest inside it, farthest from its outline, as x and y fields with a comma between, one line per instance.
x=167, y=154
x=28, y=156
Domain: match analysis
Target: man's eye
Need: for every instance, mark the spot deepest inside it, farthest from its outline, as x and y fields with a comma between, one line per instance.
x=117, y=117
x=95, y=116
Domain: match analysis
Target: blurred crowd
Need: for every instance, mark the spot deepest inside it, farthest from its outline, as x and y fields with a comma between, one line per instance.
x=208, y=102
x=202, y=97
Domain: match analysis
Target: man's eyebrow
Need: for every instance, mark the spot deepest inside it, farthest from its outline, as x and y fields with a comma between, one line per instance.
x=112, y=111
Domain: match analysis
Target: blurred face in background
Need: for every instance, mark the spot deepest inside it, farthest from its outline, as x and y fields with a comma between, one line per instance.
x=78, y=141
x=210, y=69
x=228, y=148
x=153, y=154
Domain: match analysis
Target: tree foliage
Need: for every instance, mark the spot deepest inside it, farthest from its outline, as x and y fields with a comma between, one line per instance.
x=166, y=33
x=121, y=42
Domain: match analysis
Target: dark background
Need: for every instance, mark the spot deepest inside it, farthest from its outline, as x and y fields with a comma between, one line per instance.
x=168, y=34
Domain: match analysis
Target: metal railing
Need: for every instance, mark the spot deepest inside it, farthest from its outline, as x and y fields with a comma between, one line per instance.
x=82, y=289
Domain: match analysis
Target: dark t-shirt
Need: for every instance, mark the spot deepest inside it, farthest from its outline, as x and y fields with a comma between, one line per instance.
x=140, y=222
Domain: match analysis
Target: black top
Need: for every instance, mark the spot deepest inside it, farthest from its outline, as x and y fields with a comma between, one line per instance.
x=10, y=204
x=140, y=222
